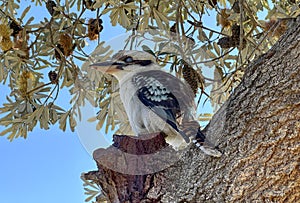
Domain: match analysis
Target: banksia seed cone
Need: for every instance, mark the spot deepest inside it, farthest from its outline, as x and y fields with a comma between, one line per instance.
x=53, y=77
x=5, y=32
x=65, y=40
x=15, y=27
x=233, y=40
x=192, y=77
x=65, y=45
x=236, y=7
x=235, y=30
x=94, y=28
x=236, y=42
x=225, y=42
x=228, y=42
x=89, y=4
x=50, y=7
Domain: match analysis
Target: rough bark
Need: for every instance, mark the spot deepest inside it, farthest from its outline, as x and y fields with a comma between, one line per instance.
x=258, y=130
x=130, y=167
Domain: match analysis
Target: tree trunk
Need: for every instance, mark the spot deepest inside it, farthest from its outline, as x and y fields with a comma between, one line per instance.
x=258, y=130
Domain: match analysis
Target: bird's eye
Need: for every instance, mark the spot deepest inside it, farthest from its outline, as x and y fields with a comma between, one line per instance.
x=128, y=59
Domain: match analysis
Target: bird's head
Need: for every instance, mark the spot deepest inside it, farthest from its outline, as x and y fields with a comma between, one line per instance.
x=125, y=62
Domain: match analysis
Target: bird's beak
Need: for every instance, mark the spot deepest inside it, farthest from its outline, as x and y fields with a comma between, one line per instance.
x=109, y=67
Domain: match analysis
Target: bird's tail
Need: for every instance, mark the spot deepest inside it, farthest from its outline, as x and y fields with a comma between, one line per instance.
x=192, y=130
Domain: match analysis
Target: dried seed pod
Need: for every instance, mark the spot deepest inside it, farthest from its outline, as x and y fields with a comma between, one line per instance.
x=89, y=4
x=228, y=42
x=15, y=27
x=235, y=42
x=192, y=77
x=236, y=7
x=50, y=7
x=235, y=30
x=225, y=42
x=94, y=28
x=53, y=77
x=65, y=41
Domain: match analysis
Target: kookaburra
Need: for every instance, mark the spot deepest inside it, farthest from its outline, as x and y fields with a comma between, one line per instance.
x=156, y=101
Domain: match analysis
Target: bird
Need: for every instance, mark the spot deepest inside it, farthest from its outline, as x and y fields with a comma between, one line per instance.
x=156, y=101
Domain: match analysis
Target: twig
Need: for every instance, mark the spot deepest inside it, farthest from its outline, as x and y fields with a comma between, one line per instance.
x=140, y=13
x=36, y=88
x=8, y=16
x=57, y=85
x=214, y=59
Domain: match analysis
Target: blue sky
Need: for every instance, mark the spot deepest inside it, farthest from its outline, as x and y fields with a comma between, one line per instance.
x=46, y=167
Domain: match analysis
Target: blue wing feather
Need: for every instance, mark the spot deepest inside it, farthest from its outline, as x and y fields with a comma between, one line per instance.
x=158, y=97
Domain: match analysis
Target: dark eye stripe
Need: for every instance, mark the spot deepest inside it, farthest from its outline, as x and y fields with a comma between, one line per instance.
x=142, y=62
x=129, y=60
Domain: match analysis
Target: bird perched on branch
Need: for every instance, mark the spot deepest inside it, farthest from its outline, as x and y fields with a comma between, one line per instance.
x=156, y=101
